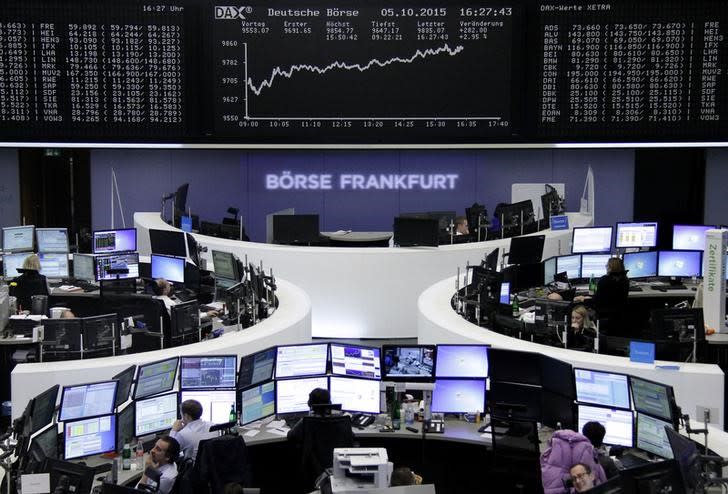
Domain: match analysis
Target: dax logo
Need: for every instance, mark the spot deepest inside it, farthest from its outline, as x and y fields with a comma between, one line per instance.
x=231, y=12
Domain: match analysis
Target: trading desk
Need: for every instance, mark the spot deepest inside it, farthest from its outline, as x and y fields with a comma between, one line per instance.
x=697, y=386
x=361, y=292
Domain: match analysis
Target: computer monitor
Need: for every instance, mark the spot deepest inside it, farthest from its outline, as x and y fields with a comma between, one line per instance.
x=18, y=238
x=638, y=235
x=505, y=293
x=491, y=260
x=155, y=414
x=13, y=262
x=514, y=366
x=678, y=325
x=592, y=239
x=416, y=232
x=618, y=423
x=651, y=436
x=54, y=265
x=551, y=203
x=117, y=266
x=89, y=437
x=292, y=394
x=47, y=442
x=458, y=396
x=549, y=270
x=87, y=400
x=408, y=363
x=653, y=398
x=125, y=426
x=462, y=361
x=571, y=265
x=689, y=237
x=185, y=318
x=170, y=268
x=301, y=360
x=76, y=477
x=156, y=377
x=208, y=372
x=126, y=380
x=52, y=239
x=355, y=395
x=257, y=367
x=83, y=267
x=234, y=298
x=557, y=411
x=557, y=376
x=61, y=335
x=685, y=452
x=677, y=263
x=514, y=400
x=217, y=404
x=527, y=249
x=258, y=402
x=99, y=332
x=594, y=265
x=43, y=409
x=356, y=361
x=168, y=243
x=602, y=388
x=114, y=241
x=225, y=266
x=640, y=264
x=295, y=228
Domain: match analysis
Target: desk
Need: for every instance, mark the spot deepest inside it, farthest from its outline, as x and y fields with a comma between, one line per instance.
x=289, y=324
x=358, y=239
x=696, y=385
x=361, y=292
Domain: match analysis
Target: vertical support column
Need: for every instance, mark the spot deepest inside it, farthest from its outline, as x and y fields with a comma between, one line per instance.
x=714, y=279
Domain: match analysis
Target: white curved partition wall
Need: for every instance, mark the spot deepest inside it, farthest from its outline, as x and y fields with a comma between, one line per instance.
x=289, y=324
x=696, y=385
x=361, y=292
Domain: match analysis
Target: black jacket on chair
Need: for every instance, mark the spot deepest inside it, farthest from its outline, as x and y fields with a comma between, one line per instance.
x=320, y=435
x=220, y=461
x=29, y=283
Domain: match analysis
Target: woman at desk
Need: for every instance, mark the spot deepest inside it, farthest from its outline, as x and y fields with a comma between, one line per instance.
x=29, y=283
x=582, y=331
x=610, y=299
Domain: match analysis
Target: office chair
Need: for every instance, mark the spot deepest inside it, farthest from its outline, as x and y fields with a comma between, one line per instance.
x=517, y=450
x=320, y=436
x=39, y=305
x=220, y=461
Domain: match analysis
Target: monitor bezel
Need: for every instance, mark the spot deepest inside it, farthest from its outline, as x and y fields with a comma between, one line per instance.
x=576, y=389
x=616, y=234
x=487, y=358
x=69, y=423
x=611, y=239
x=409, y=378
x=63, y=394
x=326, y=366
x=135, y=403
x=207, y=388
x=331, y=361
x=93, y=241
x=139, y=372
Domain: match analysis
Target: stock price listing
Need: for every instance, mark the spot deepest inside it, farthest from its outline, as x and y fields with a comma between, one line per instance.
x=365, y=72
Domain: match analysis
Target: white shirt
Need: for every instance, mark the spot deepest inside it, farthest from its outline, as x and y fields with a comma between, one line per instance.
x=167, y=476
x=190, y=435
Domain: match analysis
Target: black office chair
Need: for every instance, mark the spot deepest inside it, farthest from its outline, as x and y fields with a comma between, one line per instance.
x=320, y=436
x=220, y=461
x=516, y=454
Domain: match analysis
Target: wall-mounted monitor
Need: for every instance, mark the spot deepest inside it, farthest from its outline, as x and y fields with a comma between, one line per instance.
x=679, y=263
x=89, y=437
x=257, y=367
x=301, y=360
x=639, y=235
x=52, y=239
x=171, y=269
x=208, y=372
x=689, y=237
x=618, y=423
x=602, y=388
x=257, y=402
x=640, y=264
x=408, y=363
x=355, y=395
x=156, y=377
x=355, y=361
x=155, y=414
x=217, y=404
x=113, y=241
x=292, y=394
x=458, y=395
x=87, y=400
x=117, y=266
x=592, y=239
x=18, y=238
x=462, y=361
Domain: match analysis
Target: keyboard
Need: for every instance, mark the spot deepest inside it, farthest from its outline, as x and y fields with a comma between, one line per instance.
x=632, y=461
x=527, y=304
x=185, y=296
x=664, y=288
x=635, y=289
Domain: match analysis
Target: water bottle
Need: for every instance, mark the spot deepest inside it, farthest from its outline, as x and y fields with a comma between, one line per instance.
x=126, y=457
x=592, y=285
x=233, y=417
x=140, y=456
x=409, y=414
x=515, y=306
x=396, y=416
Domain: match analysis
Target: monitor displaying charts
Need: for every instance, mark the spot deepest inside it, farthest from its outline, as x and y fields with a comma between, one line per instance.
x=217, y=404
x=636, y=235
x=618, y=423
x=301, y=360
x=257, y=367
x=18, y=238
x=355, y=361
x=11, y=263
x=89, y=437
x=571, y=265
x=651, y=436
x=652, y=398
x=592, y=239
x=87, y=400
x=113, y=241
x=213, y=371
x=156, y=377
x=257, y=402
x=355, y=395
x=52, y=239
x=53, y=264
x=292, y=394
x=594, y=265
x=602, y=388
x=155, y=414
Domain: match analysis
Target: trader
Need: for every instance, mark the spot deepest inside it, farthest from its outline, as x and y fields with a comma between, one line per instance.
x=610, y=299
x=29, y=283
x=163, y=291
x=191, y=429
x=461, y=226
x=160, y=469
